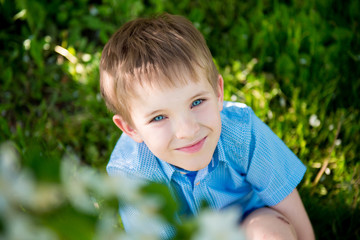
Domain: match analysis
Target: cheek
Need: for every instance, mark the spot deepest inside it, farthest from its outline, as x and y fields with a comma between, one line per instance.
x=210, y=117
x=157, y=138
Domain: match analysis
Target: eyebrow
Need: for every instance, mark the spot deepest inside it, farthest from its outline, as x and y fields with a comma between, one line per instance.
x=154, y=113
x=199, y=94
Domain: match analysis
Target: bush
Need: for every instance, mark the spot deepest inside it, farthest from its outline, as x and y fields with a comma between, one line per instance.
x=294, y=62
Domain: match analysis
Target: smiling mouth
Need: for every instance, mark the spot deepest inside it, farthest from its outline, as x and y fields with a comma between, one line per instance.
x=194, y=147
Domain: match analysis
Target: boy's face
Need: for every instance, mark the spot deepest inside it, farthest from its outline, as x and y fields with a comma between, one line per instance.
x=180, y=125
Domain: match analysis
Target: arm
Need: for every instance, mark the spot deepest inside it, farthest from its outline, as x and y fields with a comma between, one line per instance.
x=293, y=208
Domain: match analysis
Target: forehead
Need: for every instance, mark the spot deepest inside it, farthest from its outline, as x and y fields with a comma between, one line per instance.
x=162, y=81
x=159, y=95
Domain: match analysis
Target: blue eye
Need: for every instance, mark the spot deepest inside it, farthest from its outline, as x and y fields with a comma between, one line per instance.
x=158, y=118
x=197, y=102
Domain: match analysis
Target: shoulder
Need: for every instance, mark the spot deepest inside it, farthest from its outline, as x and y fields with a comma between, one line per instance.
x=236, y=118
x=133, y=159
x=236, y=128
x=235, y=109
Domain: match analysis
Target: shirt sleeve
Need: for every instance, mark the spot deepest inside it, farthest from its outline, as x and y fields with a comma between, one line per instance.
x=274, y=170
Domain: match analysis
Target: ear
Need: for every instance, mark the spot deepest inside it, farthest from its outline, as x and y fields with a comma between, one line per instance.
x=220, y=92
x=127, y=128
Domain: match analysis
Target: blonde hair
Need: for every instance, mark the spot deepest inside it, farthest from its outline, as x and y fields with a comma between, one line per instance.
x=159, y=51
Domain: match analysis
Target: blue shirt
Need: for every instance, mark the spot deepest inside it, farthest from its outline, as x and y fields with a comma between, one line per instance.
x=251, y=168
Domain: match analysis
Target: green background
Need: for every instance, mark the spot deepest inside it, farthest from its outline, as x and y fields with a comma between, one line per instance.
x=296, y=63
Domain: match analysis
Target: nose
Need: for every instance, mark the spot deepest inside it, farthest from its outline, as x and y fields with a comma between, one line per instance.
x=186, y=127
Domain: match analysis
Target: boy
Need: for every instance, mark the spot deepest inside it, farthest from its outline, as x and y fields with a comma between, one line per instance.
x=158, y=77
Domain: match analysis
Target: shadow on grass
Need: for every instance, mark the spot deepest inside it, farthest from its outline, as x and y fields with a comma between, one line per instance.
x=335, y=220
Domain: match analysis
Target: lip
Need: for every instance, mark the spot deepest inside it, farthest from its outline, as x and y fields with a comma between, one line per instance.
x=193, y=148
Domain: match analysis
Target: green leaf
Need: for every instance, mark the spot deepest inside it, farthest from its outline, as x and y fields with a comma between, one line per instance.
x=285, y=66
x=169, y=207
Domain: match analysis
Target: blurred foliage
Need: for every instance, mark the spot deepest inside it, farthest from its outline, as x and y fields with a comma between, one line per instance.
x=83, y=204
x=296, y=63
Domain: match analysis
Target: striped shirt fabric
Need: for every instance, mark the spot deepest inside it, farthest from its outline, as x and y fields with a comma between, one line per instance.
x=251, y=168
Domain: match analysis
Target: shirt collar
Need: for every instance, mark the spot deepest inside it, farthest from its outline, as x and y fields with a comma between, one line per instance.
x=167, y=168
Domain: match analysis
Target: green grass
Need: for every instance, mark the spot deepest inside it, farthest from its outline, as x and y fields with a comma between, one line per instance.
x=294, y=62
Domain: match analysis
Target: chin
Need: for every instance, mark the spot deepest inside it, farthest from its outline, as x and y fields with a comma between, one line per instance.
x=198, y=167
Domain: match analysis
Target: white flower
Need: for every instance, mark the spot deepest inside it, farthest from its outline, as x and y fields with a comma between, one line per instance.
x=74, y=185
x=314, y=121
x=282, y=102
x=303, y=61
x=219, y=225
x=86, y=57
x=105, y=227
x=9, y=163
x=27, y=44
x=337, y=142
x=94, y=11
x=23, y=227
